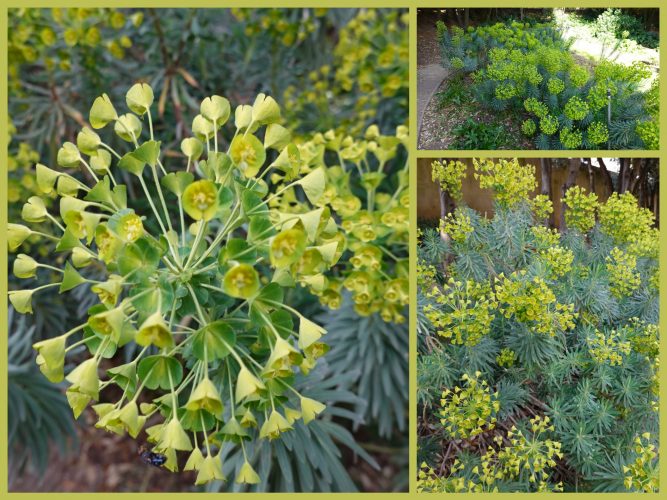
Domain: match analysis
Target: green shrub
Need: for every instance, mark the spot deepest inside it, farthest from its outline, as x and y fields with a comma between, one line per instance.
x=559, y=327
x=522, y=66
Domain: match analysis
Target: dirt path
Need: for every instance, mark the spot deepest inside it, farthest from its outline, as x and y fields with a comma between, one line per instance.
x=430, y=72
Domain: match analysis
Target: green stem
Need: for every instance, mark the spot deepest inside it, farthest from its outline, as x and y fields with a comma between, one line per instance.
x=202, y=317
x=220, y=236
x=193, y=250
x=92, y=172
x=46, y=266
x=150, y=123
x=385, y=250
x=157, y=216
x=44, y=235
x=53, y=219
x=182, y=217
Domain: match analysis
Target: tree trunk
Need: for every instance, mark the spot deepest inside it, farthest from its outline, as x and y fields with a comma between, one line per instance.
x=639, y=169
x=591, y=175
x=621, y=176
x=466, y=18
x=445, y=201
x=607, y=175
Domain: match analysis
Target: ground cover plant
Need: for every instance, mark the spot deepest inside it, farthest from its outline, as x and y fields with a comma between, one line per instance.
x=526, y=68
x=364, y=161
x=538, y=361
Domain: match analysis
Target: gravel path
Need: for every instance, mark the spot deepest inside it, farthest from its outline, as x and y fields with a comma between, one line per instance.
x=429, y=79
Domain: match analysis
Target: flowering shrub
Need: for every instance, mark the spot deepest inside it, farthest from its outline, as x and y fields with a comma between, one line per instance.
x=83, y=28
x=561, y=330
x=367, y=77
x=525, y=455
x=199, y=283
x=522, y=65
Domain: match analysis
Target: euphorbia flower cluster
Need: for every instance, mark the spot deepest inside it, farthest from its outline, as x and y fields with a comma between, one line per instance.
x=197, y=283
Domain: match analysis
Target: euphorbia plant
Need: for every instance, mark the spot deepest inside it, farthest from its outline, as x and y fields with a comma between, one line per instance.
x=367, y=191
x=197, y=283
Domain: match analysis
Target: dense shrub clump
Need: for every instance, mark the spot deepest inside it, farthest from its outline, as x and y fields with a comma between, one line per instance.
x=527, y=67
x=546, y=339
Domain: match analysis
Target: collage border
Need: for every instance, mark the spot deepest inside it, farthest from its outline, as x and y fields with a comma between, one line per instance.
x=414, y=154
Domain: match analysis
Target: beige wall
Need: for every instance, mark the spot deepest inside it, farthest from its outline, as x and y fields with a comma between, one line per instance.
x=428, y=200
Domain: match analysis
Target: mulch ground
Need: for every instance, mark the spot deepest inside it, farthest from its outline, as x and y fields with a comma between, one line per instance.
x=438, y=123
x=106, y=462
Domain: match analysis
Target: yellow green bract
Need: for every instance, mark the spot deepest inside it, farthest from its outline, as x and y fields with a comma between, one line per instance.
x=203, y=298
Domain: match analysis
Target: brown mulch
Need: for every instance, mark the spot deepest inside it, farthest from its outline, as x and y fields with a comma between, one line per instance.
x=103, y=462
x=106, y=462
x=438, y=123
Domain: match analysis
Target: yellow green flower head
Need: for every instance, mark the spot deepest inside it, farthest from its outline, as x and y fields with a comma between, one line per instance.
x=624, y=220
x=558, y=259
x=610, y=348
x=642, y=474
x=160, y=280
x=542, y=206
x=200, y=200
x=241, y=281
x=287, y=247
x=510, y=181
x=464, y=311
x=248, y=154
x=449, y=175
x=469, y=410
x=581, y=208
x=154, y=331
x=532, y=302
x=623, y=275
x=457, y=225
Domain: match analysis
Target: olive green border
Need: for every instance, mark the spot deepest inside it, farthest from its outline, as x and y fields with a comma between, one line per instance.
x=413, y=207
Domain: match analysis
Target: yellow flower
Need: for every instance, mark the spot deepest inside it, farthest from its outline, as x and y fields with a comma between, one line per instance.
x=241, y=281
x=174, y=437
x=310, y=408
x=247, y=384
x=247, y=474
x=21, y=300
x=195, y=460
x=248, y=154
x=274, y=425
x=16, y=235
x=200, y=200
x=25, y=266
x=84, y=378
x=287, y=247
x=205, y=397
x=51, y=357
x=210, y=469
x=154, y=331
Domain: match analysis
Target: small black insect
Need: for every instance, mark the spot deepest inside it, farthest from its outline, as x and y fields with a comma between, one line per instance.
x=151, y=458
